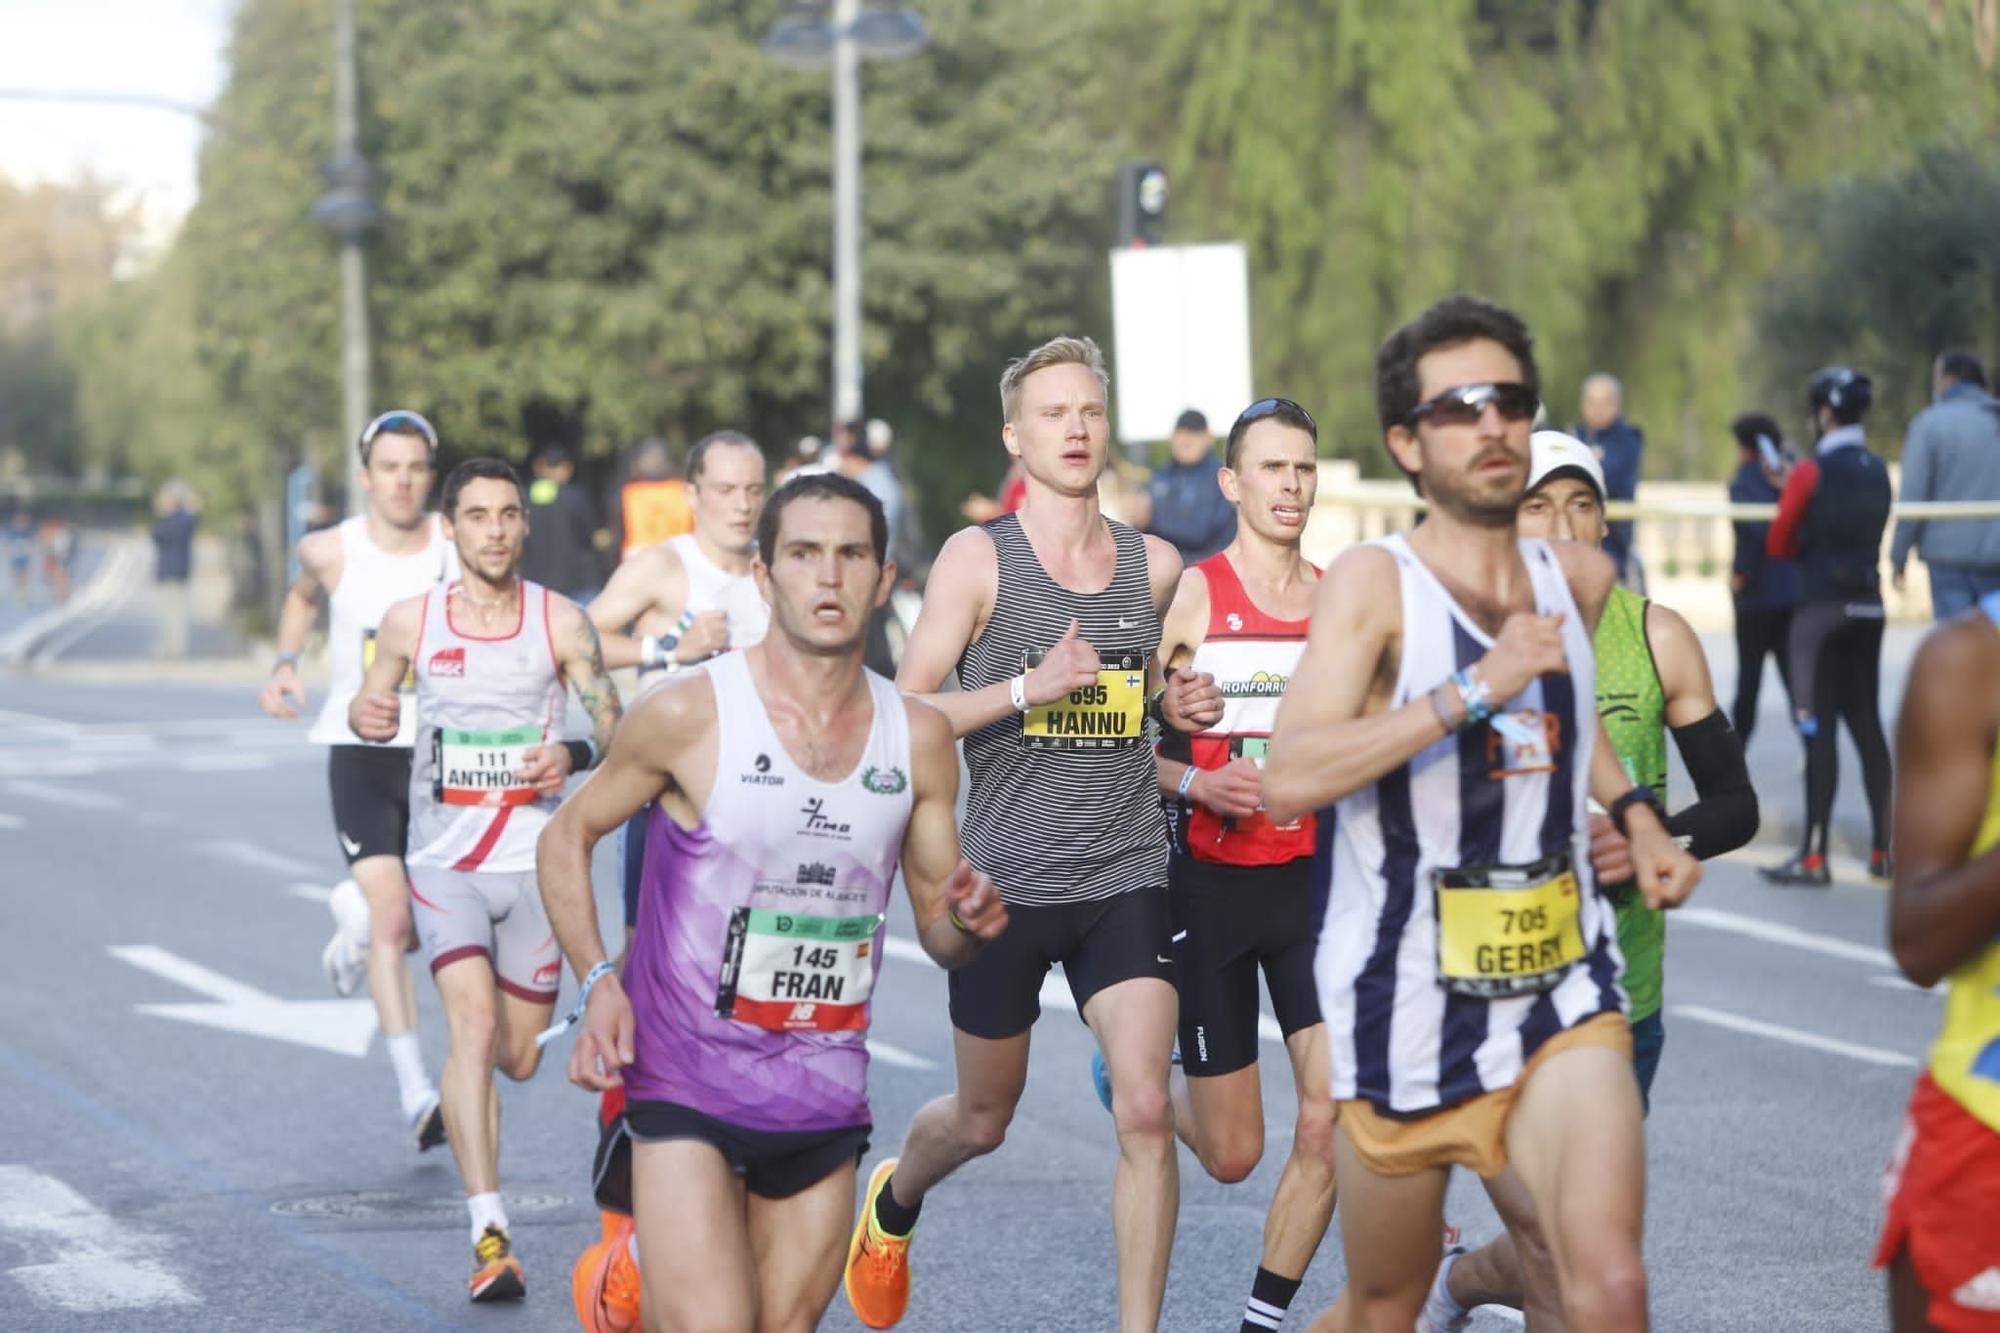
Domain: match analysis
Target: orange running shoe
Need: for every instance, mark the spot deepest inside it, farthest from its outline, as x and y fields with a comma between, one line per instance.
x=605, y=1282
x=878, y=1264
x=497, y=1276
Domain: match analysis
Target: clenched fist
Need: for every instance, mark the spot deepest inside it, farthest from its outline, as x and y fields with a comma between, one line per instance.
x=1070, y=665
x=1529, y=645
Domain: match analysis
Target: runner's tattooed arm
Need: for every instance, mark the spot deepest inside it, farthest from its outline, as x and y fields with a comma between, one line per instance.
x=1945, y=903
x=940, y=883
x=376, y=711
x=581, y=656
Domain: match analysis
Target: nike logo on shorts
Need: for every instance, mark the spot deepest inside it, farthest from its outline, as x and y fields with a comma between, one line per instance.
x=352, y=847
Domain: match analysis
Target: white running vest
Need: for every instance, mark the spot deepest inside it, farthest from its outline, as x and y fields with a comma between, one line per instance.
x=481, y=703
x=1492, y=795
x=372, y=581
x=712, y=589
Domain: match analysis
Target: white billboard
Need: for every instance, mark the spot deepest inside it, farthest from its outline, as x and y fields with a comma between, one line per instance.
x=1181, y=317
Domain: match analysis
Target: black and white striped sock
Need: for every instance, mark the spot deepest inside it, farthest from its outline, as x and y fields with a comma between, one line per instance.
x=1270, y=1297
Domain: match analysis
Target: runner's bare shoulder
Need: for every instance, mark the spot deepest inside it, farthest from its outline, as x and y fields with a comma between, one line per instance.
x=321, y=556
x=1591, y=575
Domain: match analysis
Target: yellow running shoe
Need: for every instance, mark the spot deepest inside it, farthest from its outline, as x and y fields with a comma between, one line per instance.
x=497, y=1276
x=605, y=1282
x=878, y=1264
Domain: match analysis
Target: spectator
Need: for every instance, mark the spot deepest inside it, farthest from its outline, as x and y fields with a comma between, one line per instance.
x=1620, y=446
x=1952, y=452
x=980, y=507
x=808, y=455
x=173, y=544
x=653, y=504
x=1764, y=587
x=1188, y=506
x=57, y=541
x=21, y=549
x=561, y=550
x=884, y=480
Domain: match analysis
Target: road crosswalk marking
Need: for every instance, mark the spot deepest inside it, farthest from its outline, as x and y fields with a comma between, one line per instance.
x=93, y=1264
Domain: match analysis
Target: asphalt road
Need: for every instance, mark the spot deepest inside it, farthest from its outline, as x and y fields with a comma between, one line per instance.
x=184, y=1168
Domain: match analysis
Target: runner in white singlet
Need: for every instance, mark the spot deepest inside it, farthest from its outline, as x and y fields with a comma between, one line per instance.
x=489, y=653
x=789, y=783
x=362, y=567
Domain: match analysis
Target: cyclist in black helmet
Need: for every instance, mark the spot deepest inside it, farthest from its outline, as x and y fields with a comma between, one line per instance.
x=1830, y=518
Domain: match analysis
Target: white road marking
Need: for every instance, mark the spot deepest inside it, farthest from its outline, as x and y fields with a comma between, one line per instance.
x=897, y=1056
x=1055, y=991
x=1873, y=1055
x=12, y=822
x=1771, y=932
x=53, y=726
x=74, y=797
x=257, y=858
x=96, y=1264
x=312, y=893
x=221, y=763
x=344, y=1027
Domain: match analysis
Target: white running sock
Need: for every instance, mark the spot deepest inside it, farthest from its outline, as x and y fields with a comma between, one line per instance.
x=408, y=1058
x=485, y=1210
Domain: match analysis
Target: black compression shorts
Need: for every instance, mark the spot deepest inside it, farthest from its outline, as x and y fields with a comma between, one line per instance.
x=774, y=1165
x=1099, y=944
x=371, y=799
x=1228, y=922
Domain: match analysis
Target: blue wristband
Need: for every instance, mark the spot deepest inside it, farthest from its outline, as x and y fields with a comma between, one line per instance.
x=575, y=1015
x=1473, y=696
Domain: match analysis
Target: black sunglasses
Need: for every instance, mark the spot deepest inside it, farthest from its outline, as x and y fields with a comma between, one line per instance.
x=1464, y=404
x=400, y=423
x=1265, y=407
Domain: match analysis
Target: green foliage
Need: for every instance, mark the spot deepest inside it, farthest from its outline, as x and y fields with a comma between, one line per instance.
x=608, y=218
x=1598, y=166
x=1884, y=274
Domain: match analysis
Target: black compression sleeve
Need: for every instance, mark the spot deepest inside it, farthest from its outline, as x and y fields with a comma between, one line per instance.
x=1724, y=815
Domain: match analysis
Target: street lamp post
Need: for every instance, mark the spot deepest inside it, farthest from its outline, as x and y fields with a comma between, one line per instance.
x=348, y=208
x=808, y=39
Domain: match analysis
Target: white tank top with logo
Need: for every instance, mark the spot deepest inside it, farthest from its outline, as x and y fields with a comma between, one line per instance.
x=372, y=581
x=481, y=703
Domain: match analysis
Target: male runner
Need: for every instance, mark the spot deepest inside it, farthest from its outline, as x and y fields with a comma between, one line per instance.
x=1051, y=617
x=1237, y=886
x=491, y=652
x=365, y=565
x=789, y=782
x=1651, y=678
x=1831, y=516
x=1468, y=968
x=1939, y=1238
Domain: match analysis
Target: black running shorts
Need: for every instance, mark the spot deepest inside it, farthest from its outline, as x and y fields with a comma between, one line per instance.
x=1229, y=922
x=1098, y=943
x=773, y=1165
x=371, y=799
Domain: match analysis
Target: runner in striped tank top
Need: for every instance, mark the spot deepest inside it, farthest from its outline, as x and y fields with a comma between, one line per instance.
x=1238, y=886
x=788, y=784
x=1051, y=617
x=491, y=653
x=1651, y=678
x=1468, y=966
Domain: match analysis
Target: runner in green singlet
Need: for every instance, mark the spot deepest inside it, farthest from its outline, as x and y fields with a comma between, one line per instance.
x=1651, y=678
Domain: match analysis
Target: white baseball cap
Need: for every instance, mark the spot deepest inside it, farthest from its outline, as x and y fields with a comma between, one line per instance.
x=1553, y=451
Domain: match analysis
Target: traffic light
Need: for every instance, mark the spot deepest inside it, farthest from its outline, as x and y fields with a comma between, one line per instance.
x=1142, y=203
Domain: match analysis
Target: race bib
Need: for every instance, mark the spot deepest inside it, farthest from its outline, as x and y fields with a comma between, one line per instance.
x=368, y=662
x=1507, y=930
x=1108, y=715
x=1522, y=742
x=789, y=973
x=482, y=767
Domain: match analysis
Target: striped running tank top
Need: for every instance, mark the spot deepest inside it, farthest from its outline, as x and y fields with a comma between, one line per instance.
x=1463, y=924
x=1063, y=802
x=760, y=930
x=1965, y=1059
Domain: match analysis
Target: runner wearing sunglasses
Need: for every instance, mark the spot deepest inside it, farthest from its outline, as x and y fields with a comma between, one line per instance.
x=1237, y=886
x=393, y=550
x=1468, y=966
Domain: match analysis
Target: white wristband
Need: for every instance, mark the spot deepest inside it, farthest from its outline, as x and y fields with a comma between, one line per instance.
x=1017, y=691
x=1187, y=782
